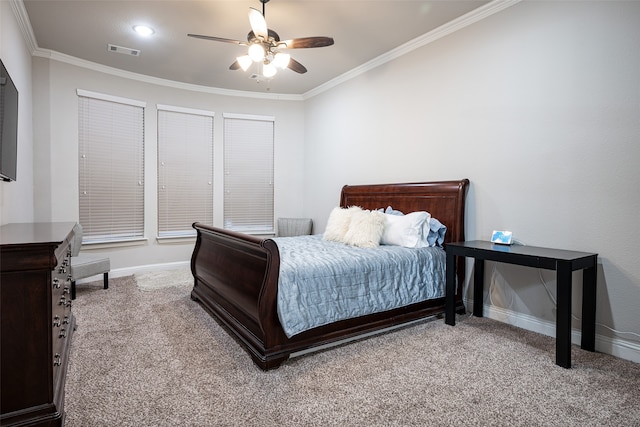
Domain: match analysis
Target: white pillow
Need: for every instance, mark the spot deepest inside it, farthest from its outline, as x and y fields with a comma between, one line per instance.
x=338, y=223
x=406, y=230
x=365, y=229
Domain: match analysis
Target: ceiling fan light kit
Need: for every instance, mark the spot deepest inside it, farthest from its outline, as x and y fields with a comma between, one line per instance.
x=269, y=70
x=264, y=47
x=281, y=60
x=256, y=52
x=244, y=62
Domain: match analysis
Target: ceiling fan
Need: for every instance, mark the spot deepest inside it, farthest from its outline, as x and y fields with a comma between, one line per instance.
x=266, y=48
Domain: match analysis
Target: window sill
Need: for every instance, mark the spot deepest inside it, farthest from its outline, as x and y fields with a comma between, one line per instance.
x=175, y=239
x=114, y=244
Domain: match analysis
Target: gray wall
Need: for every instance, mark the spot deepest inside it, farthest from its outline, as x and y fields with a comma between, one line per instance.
x=17, y=198
x=539, y=106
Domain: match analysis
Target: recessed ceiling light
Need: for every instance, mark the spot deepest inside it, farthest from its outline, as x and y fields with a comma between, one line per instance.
x=143, y=30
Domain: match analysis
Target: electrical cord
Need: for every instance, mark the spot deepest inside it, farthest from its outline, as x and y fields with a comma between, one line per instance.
x=465, y=289
x=493, y=273
x=555, y=304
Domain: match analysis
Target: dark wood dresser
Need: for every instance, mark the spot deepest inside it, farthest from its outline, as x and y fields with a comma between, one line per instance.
x=37, y=323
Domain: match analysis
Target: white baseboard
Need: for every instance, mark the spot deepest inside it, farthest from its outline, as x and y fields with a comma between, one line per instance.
x=128, y=271
x=617, y=347
x=150, y=268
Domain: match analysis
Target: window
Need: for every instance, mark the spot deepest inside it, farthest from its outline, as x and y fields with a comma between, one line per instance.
x=185, y=170
x=111, y=167
x=248, y=173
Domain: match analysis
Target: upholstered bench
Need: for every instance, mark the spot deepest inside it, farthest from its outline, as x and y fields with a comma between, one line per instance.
x=83, y=266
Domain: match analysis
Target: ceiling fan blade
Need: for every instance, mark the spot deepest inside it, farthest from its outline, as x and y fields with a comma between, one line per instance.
x=258, y=23
x=296, y=66
x=235, y=65
x=306, y=42
x=217, y=39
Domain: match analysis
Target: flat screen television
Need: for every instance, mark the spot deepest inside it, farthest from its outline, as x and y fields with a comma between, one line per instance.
x=8, y=126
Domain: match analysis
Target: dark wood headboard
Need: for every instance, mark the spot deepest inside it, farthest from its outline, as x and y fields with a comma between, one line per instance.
x=444, y=200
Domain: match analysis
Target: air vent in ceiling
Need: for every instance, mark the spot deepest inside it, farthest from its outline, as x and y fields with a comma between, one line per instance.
x=123, y=50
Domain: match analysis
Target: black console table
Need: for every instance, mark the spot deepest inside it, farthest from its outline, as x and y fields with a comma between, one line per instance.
x=562, y=261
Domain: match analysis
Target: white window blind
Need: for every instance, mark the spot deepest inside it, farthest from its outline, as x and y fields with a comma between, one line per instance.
x=248, y=173
x=185, y=170
x=111, y=167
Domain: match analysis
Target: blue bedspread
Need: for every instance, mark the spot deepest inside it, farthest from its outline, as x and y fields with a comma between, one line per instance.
x=322, y=282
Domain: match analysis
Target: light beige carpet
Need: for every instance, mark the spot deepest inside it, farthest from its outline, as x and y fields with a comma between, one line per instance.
x=156, y=358
x=164, y=279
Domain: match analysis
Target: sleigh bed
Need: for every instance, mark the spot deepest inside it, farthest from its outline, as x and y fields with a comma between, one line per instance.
x=236, y=275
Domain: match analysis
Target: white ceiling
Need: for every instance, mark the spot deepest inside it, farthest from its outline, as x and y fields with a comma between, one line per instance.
x=362, y=30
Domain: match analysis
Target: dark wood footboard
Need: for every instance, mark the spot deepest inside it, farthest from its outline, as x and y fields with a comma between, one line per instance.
x=236, y=280
x=236, y=275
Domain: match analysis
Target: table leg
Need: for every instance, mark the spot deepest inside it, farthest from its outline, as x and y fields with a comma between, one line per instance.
x=563, y=321
x=450, y=291
x=589, y=307
x=478, y=287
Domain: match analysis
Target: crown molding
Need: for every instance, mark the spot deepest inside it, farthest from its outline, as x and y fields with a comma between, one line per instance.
x=72, y=60
x=463, y=21
x=476, y=15
x=19, y=11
